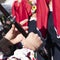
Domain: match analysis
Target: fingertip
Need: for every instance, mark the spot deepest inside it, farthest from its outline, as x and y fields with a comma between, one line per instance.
x=26, y=31
x=24, y=21
x=13, y=25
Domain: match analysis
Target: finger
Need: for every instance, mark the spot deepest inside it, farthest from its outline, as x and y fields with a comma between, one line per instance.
x=24, y=21
x=16, y=29
x=13, y=27
x=26, y=31
x=31, y=33
x=40, y=40
x=36, y=35
x=25, y=27
x=31, y=47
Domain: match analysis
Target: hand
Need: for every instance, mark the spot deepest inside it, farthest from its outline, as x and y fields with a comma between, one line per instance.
x=17, y=39
x=33, y=41
x=13, y=32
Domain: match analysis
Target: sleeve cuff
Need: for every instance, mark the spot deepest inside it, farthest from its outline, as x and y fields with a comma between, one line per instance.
x=4, y=46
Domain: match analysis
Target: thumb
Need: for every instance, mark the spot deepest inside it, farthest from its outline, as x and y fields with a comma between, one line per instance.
x=13, y=27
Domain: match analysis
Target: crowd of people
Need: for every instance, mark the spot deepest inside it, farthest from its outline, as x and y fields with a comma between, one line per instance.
x=41, y=21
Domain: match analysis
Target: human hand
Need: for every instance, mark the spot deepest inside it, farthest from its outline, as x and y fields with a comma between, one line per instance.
x=17, y=39
x=33, y=41
x=13, y=32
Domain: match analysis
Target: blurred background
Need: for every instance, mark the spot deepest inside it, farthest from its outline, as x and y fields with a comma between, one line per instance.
x=7, y=4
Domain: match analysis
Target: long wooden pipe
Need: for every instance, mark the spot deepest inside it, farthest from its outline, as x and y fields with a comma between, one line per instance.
x=13, y=21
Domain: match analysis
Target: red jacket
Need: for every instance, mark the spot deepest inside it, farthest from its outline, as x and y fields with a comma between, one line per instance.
x=23, y=11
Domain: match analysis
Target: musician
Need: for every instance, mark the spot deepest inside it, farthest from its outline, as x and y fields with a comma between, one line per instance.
x=48, y=12
x=13, y=37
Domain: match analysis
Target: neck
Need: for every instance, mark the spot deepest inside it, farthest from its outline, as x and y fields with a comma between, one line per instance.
x=50, y=6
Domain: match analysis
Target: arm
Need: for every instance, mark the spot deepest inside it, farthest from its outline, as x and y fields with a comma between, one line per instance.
x=37, y=45
x=12, y=37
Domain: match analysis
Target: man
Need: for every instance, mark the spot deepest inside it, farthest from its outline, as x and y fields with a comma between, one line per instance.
x=13, y=37
x=47, y=22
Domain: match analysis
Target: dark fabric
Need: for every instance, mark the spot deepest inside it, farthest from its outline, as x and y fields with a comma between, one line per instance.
x=32, y=28
x=4, y=46
x=54, y=41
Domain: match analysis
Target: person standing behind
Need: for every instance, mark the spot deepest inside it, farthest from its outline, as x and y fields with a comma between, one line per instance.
x=46, y=21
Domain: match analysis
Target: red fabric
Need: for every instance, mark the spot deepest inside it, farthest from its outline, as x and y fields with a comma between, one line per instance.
x=42, y=14
x=56, y=14
x=21, y=10
x=41, y=11
x=24, y=10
